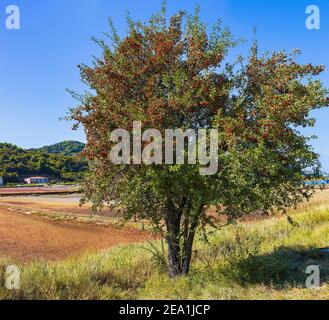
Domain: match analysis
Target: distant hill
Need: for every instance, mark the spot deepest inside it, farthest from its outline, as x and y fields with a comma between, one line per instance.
x=16, y=163
x=66, y=148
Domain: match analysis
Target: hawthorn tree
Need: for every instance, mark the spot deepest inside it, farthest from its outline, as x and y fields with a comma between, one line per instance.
x=173, y=74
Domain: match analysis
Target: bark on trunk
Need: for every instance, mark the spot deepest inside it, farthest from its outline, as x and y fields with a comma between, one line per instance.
x=186, y=261
x=173, y=231
x=180, y=258
x=188, y=244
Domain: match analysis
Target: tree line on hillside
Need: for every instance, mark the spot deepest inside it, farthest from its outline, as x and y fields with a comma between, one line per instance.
x=67, y=148
x=16, y=163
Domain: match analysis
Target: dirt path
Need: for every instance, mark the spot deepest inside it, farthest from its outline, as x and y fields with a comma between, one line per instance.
x=27, y=238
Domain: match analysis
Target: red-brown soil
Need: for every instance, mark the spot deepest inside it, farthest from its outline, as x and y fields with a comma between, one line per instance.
x=26, y=238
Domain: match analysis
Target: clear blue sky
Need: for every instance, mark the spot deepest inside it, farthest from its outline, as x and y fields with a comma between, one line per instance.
x=39, y=61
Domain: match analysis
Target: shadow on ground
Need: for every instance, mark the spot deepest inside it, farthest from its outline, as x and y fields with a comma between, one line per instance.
x=285, y=266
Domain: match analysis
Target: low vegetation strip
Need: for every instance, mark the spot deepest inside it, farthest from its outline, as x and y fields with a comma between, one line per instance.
x=38, y=190
x=258, y=260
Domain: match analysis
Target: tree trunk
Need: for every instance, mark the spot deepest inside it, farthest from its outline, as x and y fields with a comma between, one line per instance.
x=188, y=243
x=186, y=261
x=180, y=258
x=173, y=220
x=175, y=268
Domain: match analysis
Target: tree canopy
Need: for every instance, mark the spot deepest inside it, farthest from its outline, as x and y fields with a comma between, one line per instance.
x=174, y=74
